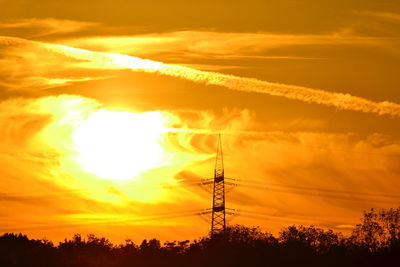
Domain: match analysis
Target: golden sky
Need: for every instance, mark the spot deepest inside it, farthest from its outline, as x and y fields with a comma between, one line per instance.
x=109, y=114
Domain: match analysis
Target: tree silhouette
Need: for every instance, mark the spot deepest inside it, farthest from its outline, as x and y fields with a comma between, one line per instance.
x=91, y=252
x=373, y=242
x=378, y=230
x=19, y=250
x=318, y=239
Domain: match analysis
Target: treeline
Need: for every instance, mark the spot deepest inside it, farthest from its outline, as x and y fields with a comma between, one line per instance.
x=374, y=242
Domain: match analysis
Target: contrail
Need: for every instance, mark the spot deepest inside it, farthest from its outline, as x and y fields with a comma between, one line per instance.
x=308, y=95
x=338, y=100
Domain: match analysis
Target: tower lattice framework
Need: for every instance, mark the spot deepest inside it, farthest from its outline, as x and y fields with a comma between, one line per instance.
x=218, y=221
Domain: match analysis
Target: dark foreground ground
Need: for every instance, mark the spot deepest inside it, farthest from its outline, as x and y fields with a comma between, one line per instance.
x=374, y=242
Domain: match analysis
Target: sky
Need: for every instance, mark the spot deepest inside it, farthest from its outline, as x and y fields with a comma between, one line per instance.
x=110, y=112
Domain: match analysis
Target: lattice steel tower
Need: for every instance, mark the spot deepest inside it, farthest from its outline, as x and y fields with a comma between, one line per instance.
x=218, y=208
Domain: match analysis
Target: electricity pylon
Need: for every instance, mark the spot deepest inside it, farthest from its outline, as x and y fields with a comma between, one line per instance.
x=218, y=209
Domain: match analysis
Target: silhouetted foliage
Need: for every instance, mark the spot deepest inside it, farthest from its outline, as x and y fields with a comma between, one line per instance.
x=19, y=250
x=378, y=230
x=91, y=252
x=373, y=242
x=319, y=240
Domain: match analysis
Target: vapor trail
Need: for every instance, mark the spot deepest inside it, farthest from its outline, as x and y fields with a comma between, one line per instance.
x=308, y=95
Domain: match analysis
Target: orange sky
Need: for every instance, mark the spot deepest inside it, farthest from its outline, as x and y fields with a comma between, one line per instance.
x=110, y=109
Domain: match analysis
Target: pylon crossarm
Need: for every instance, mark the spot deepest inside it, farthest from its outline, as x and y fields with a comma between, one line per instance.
x=207, y=182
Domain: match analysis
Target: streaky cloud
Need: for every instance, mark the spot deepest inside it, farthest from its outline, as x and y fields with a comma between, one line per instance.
x=341, y=101
x=42, y=27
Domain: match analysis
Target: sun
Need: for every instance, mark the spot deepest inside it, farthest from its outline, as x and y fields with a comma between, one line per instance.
x=120, y=145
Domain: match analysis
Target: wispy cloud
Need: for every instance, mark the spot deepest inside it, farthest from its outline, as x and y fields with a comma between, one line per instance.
x=36, y=168
x=388, y=16
x=214, y=45
x=298, y=169
x=338, y=100
x=35, y=27
x=27, y=67
x=100, y=60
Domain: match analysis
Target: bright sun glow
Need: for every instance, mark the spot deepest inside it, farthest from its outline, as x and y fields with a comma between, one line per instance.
x=120, y=145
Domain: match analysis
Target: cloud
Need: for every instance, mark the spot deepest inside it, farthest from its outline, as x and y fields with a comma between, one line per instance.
x=192, y=45
x=340, y=101
x=316, y=170
x=41, y=178
x=82, y=58
x=321, y=171
x=387, y=16
x=37, y=183
x=43, y=27
x=28, y=68
x=377, y=25
x=334, y=175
